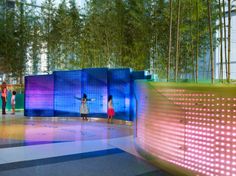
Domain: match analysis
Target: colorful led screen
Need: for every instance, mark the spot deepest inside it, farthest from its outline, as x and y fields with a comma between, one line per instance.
x=60, y=94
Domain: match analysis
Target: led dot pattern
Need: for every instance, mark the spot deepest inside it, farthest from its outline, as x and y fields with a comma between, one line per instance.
x=193, y=128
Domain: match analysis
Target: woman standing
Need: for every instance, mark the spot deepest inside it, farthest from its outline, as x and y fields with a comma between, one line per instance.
x=84, y=108
x=4, y=97
x=110, y=110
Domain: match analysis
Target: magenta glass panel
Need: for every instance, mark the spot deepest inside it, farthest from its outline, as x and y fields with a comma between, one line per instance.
x=39, y=95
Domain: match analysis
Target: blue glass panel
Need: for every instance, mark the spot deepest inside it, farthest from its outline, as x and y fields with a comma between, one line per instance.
x=138, y=75
x=94, y=85
x=67, y=87
x=39, y=92
x=119, y=88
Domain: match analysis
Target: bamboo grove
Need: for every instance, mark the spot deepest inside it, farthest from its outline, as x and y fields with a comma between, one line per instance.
x=168, y=37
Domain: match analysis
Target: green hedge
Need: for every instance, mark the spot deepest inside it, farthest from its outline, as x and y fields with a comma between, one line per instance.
x=19, y=101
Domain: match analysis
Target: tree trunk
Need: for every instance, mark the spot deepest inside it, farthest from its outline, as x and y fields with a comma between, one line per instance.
x=221, y=43
x=225, y=37
x=211, y=42
x=170, y=42
x=204, y=63
x=177, y=43
x=192, y=45
x=197, y=41
x=192, y=55
x=229, y=38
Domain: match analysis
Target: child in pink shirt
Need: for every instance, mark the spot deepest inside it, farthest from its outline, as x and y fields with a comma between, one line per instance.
x=110, y=110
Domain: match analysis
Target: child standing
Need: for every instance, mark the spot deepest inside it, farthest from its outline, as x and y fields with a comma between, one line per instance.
x=13, y=101
x=110, y=111
x=84, y=108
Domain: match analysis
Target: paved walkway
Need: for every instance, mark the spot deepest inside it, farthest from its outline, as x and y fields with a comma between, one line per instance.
x=68, y=146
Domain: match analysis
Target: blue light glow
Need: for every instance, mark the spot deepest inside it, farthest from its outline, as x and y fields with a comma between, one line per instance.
x=58, y=94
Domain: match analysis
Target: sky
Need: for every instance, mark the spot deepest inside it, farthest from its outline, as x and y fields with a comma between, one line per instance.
x=79, y=2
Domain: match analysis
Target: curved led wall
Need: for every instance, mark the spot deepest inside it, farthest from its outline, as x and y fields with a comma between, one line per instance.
x=187, y=129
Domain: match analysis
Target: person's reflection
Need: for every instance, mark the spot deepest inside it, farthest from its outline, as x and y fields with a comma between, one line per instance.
x=3, y=130
x=82, y=130
x=109, y=131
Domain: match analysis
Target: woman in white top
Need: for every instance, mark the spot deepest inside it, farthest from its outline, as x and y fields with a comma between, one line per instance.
x=84, y=108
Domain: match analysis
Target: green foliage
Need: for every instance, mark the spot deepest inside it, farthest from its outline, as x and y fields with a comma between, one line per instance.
x=14, y=40
x=114, y=33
